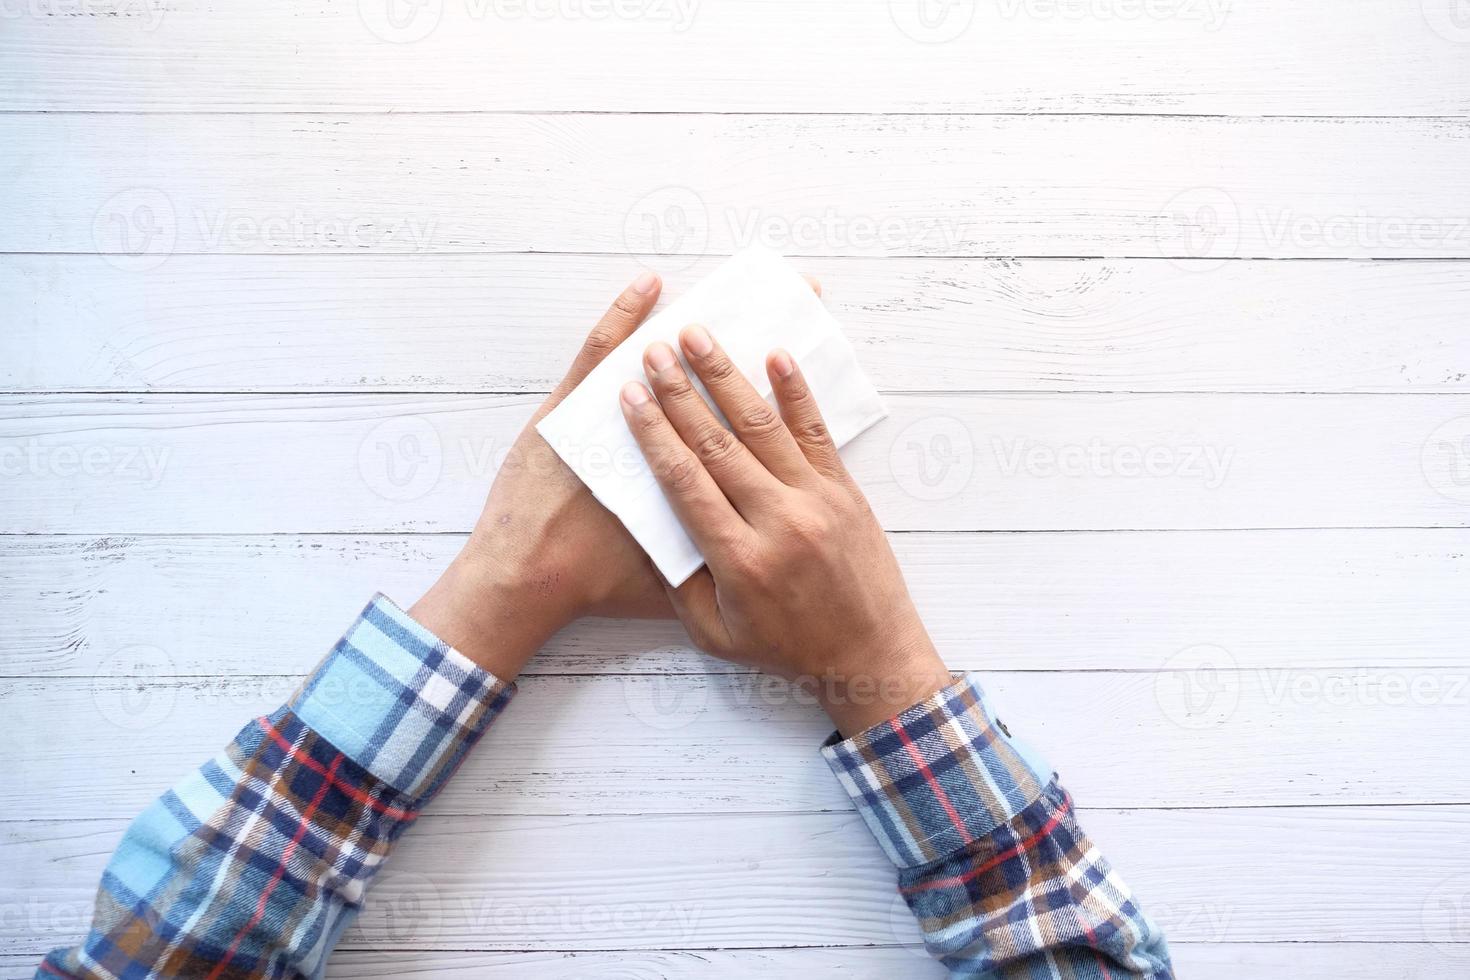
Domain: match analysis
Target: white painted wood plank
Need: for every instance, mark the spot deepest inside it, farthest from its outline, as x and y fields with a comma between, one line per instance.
x=1213, y=736
x=1315, y=961
x=508, y=322
x=1323, y=599
x=705, y=184
x=732, y=881
x=1204, y=961
x=365, y=463
x=1199, y=961
x=1209, y=56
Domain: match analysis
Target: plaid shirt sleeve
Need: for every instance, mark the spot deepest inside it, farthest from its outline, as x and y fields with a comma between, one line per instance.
x=254, y=865
x=990, y=857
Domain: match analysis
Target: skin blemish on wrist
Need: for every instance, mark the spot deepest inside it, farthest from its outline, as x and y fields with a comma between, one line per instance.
x=548, y=584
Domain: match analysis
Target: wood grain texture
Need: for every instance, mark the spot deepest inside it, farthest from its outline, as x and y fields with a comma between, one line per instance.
x=1215, y=735
x=1320, y=599
x=248, y=463
x=1366, y=58
x=290, y=205
x=722, y=880
x=1143, y=186
x=1205, y=961
x=1199, y=961
x=405, y=322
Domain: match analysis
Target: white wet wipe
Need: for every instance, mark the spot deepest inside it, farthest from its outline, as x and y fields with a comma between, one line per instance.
x=752, y=304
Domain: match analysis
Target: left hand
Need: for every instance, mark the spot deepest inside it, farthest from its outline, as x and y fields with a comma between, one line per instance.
x=544, y=552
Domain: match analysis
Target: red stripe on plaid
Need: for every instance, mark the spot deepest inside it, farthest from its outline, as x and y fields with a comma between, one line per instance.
x=995, y=860
x=939, y=794
x=350, y=790
x=1092, y=938
x=286, y=853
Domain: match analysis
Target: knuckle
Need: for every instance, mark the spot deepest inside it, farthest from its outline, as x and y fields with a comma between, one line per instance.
x=813, y=430
x=844, y=499
x=809, y=529
x=600, y=342
x=740, y=557
x=798, y=394
x=719, y=369
x=716, y=444
x=729, y=543
x=678, y=472
x=626, y=307
x=676, y=388
x=649, y=423
x=758, y=419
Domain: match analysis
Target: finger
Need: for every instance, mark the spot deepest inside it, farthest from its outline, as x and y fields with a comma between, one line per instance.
x=738, y=473
x=753, y=420
x=697, y=501
x=627, y=311
x=799, y=409
x=815, y=283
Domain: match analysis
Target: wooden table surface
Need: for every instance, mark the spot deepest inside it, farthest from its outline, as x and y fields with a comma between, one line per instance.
x=1171, y=305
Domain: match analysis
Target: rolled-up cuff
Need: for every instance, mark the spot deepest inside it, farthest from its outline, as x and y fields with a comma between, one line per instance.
x=938, y=776
x=399, y=701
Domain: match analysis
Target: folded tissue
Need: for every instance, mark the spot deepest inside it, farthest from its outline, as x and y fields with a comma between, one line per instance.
x=752, y=304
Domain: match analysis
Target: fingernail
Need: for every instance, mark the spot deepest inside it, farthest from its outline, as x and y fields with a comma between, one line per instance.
x=635, y=394
x=644, y=284
x=698, y=340
x=783, y=364
x=660, y=357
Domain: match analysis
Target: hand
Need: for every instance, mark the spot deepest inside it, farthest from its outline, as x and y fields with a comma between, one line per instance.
x=544, y=551
x=800, y=580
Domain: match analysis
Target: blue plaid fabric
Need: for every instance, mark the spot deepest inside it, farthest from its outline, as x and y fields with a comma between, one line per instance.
x=255, y=864
x=991, y=860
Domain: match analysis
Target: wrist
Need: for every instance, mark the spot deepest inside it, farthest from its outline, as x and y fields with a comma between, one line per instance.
x=489, y=613
x=904, y=671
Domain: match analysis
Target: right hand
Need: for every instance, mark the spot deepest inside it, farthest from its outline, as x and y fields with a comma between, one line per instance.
x=800, y=580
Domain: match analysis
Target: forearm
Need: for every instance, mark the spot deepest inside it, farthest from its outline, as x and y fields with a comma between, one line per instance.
x=991, y=859
x=254, y=865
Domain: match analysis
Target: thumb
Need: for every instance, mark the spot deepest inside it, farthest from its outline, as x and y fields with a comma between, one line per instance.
x=697, y=605
x=624, y=316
